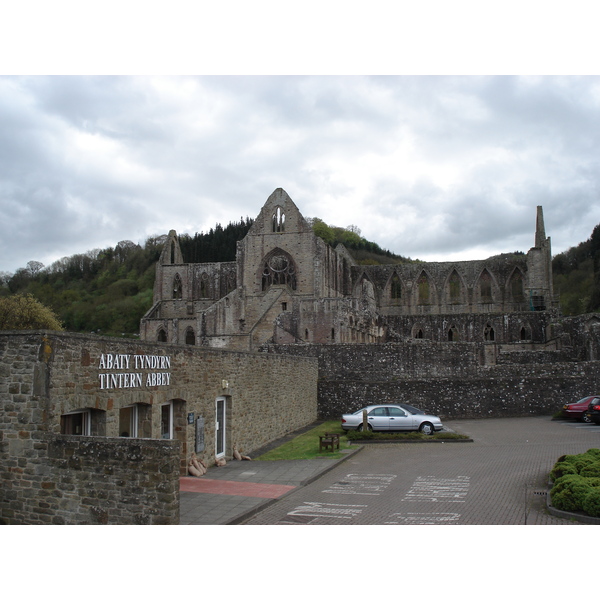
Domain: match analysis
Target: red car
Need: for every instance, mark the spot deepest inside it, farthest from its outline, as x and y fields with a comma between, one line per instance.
x=577, y=410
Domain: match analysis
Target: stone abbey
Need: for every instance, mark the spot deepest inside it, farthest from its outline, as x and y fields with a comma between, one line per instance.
x=287, y=286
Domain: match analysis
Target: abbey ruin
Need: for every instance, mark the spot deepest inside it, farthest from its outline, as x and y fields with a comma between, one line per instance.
x=400, y=332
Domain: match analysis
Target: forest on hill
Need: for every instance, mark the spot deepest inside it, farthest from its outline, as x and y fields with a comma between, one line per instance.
x=108, y=291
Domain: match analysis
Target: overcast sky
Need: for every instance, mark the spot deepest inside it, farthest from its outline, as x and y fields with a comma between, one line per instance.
x=432, y=167
x=435, y=168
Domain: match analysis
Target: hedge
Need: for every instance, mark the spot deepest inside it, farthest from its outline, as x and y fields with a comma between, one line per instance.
x=576, y=480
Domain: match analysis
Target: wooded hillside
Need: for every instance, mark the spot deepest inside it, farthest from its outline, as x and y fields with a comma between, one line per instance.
x=107, y=291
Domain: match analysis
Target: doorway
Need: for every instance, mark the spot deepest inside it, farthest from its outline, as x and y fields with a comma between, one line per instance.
x=221, y=426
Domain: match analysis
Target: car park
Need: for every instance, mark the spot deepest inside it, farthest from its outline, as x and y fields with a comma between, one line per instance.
x=392, y=417
x=593, y=411
x=579, y=409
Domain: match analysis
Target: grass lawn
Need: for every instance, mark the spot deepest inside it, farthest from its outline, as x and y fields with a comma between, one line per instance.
x=306, y=445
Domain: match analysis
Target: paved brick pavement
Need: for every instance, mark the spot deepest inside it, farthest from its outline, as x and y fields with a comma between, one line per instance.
x=500, y=479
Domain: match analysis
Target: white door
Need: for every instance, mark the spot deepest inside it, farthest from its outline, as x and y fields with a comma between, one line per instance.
x=220, y=427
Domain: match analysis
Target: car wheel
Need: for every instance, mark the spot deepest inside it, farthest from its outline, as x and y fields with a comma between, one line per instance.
x=585, y=418
x=360, y=427
x=426, y=428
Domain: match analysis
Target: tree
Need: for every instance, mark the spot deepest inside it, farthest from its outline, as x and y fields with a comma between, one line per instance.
x=25, y=312
x=34, y=267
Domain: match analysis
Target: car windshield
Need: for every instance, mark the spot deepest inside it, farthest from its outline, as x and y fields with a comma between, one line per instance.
x=412, y=409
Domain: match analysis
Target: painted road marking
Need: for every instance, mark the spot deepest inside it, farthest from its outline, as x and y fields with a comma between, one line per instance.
x=368, y=485
x=438, y=489
x=423, y=519
x=330, y=511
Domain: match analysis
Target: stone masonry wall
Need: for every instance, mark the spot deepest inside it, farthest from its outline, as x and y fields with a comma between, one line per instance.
x=454, y=380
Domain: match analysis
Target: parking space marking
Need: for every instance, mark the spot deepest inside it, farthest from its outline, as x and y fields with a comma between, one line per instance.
x=438, y=489
x=330, y=511
x=368, y=485
x=423, y=519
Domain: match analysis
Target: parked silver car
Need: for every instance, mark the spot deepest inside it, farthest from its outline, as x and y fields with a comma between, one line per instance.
x=392, y=417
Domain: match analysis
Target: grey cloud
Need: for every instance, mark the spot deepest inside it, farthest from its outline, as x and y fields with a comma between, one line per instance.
x=423, y=165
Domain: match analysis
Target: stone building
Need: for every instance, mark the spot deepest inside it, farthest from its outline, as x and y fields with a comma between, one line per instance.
x=287, y=286
x=99, y=430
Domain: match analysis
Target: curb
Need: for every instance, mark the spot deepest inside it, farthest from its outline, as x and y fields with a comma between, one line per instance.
x=254, y=511
x=449, y=441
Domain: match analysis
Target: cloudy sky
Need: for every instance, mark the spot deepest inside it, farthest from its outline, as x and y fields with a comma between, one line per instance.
x=435, y=167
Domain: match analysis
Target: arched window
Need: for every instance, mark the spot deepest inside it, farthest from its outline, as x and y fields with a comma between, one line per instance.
x=485, y=287
x=278, y=221
x=162, y=335
x=190, y=338
x=516, y=286
x=395, y=287
x=454, y=287
x=279, y=269
x=204, y=286
x=423, y=286
x=453, y=334
x=489, y=335
x=177, y=288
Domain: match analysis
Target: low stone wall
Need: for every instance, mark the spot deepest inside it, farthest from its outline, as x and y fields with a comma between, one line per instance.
x=75, y=480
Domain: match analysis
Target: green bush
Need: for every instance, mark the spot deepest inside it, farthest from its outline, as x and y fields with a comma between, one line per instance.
x=576, y=480
x=591, y=503
x=561, y=469
x=591, y=470
x=569, y=492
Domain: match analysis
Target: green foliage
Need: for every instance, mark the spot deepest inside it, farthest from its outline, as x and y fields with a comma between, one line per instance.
x=576, y=275
x=363, y=251
x=577, y=482
x=591, y=503
x=568, y=493
x=306, y=445
x=25, y=312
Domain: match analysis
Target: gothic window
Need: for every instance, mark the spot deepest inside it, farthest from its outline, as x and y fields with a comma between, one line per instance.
x=485, y=287
x=525, y=334
x=172, y=252
x=423, y=286
x=230, y=282
x=279, y=269
x=204, y=286
x=278, y=220
x=453, y=334
x=516, y=286
x=162, y=335
x=395, y=287
x=190, y=338
x=489, y=335
x=454, y=287
x=419, y=334
x=177, y=288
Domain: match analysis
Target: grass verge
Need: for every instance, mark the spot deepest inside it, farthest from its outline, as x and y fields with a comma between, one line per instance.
x=306, y=445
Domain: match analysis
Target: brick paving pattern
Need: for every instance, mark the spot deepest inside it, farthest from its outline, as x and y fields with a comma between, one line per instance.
x=500, y=479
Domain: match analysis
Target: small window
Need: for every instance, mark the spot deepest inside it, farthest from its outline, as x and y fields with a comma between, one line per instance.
x=166, y=421
x=190, y=338
x=128, y=421
x=76, y=423
x=284, y=306
x=162, y=335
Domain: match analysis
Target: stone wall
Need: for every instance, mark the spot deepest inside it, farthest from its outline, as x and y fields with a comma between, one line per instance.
x=454, y=380
x=54, y=479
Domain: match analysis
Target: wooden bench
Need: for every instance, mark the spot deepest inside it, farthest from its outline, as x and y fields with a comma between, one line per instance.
x=329, y=440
